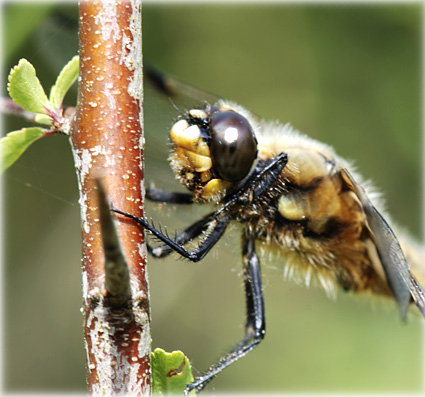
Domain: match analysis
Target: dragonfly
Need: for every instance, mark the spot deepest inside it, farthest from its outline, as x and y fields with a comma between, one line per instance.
x=291, y=194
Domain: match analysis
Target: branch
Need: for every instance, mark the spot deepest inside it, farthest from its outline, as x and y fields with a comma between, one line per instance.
x=8, y=107
x=105, y=137
x=117, y=274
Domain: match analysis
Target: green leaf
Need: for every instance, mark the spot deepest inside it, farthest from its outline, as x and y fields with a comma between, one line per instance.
x=171, y=373
x=15, y=143
x=43, y=119
x=66, y=78
x=25, y=88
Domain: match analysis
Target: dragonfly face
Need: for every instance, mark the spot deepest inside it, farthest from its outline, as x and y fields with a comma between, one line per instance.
x=293, y=196
x=214, y=149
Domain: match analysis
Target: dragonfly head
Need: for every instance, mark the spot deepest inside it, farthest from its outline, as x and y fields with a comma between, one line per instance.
x=214, y=149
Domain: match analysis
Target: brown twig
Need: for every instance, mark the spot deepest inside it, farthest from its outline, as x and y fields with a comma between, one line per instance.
x=117, y=274
x=7, y=106
x=105, y=137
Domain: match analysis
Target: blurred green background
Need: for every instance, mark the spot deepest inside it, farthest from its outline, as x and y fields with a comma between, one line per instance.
x=348, y=75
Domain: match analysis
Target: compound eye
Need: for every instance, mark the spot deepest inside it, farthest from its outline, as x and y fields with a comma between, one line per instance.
x=233, y=145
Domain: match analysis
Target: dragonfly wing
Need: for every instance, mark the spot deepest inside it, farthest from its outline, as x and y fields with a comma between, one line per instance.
x=402, y=282
x=183, y=95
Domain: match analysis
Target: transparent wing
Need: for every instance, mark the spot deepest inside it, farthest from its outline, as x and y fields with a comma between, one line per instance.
x=183, y=95
x=165, y=98
x=402, y=282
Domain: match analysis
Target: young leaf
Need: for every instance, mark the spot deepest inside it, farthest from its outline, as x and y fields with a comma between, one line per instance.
x=15, y=143
x=66, y=78
x=25, y=88
x=43, y=119
x=171, y=373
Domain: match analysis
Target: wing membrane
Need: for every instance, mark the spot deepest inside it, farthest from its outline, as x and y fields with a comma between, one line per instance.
x=402, y=282
x=185, y=96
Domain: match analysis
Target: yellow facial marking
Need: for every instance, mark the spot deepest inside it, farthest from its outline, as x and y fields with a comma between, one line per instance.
x=205, y=176
x=215, y=187
x=198, y=113
x=198, y=163
x=178, y=129
x=189, y=175
x=189, y=138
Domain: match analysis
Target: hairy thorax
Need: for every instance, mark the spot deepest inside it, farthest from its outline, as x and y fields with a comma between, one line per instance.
x=316, y=226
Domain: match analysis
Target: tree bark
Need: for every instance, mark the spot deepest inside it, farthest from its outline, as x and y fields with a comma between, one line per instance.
x=106, y=138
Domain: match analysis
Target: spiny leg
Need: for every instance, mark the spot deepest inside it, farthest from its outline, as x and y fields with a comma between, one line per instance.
x=191, y=232
x=255, y=186
x=198, y=253
x=162, y=196
x=255, y=327
x=183, y=237
x=258, y=183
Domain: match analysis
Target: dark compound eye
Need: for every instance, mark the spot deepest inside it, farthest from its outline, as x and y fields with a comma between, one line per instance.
x=233, y=145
